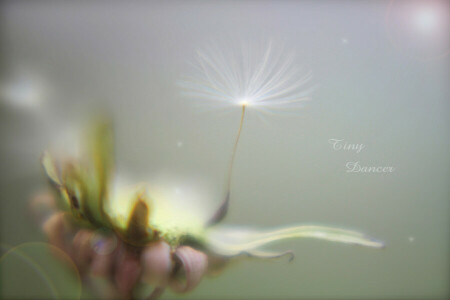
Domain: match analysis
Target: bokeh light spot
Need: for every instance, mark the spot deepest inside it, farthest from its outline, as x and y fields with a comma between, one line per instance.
x=419, y=29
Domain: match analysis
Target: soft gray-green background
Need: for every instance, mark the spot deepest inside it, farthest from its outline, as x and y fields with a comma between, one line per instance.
x=131, y=54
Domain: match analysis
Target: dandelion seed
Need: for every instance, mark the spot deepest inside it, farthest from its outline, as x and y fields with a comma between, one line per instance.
x=262, y=78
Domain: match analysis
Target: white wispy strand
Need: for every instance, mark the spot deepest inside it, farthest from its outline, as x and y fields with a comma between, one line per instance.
x=263, y=77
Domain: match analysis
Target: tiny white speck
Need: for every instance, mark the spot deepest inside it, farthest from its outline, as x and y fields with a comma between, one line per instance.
x=179, y=144
x=177, y=191
x=411, y=239
x=344, y=41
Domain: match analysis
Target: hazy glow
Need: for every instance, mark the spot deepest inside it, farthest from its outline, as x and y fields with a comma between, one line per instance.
x=419, y=29
x=427, y=19
x=261, y=76
x=244, y=102
x=23, y=92
x=173, y=201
